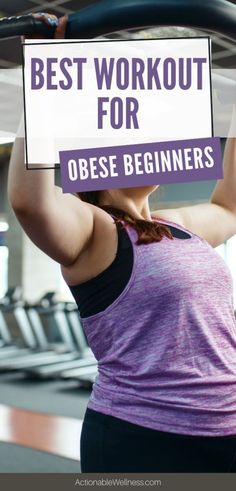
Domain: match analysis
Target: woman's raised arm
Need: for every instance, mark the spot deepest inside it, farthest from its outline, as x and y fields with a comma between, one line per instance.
x=59, y=224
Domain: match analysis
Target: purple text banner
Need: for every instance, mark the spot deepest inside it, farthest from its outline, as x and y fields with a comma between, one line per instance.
x=137, y=165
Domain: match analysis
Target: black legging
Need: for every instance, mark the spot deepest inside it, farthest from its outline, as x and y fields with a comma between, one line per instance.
x=110, y=444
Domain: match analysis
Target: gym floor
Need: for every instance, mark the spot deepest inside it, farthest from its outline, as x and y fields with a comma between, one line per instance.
x=55, y=398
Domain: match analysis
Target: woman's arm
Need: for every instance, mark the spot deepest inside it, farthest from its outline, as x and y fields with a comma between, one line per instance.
x=214, y=221
x=59, y=224
x=225, y=191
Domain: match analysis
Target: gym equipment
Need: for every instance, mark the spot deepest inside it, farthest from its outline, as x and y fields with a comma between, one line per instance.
x=212, y=16
x=84, y=364
x=79, y=374
x=23, y=340
x=40, y=349
x=73, y=346
x=24, y=25
x=216, y=16
x=85, y=359
x=4, y=331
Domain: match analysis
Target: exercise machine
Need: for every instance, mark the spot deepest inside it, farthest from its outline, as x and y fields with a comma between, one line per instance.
x=101, y=18
x=41, y=349
x=19, y=340
x=84, y=359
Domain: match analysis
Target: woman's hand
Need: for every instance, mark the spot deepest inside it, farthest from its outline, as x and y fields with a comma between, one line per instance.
x=52, y=20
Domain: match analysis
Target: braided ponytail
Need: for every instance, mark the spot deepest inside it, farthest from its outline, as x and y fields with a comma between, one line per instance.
x=147, y=231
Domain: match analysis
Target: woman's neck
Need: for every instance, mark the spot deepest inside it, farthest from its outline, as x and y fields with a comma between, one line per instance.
x=138, y=208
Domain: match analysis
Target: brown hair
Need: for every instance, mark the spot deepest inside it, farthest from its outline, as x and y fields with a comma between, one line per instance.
x=148, y=231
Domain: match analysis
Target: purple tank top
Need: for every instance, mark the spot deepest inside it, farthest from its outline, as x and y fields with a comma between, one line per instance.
x=166, y=347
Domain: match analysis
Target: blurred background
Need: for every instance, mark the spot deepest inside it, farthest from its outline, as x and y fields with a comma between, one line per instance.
x=37, y=313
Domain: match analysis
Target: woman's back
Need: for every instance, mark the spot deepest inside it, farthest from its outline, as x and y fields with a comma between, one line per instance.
x=166, y=346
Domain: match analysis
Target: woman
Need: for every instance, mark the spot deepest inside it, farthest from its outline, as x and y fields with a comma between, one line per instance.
x=157, y=308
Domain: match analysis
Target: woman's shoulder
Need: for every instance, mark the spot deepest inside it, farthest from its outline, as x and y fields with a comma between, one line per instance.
x=99, y=253
x=170, y=215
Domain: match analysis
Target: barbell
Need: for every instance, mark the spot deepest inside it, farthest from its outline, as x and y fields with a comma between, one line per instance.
x=107, y=16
